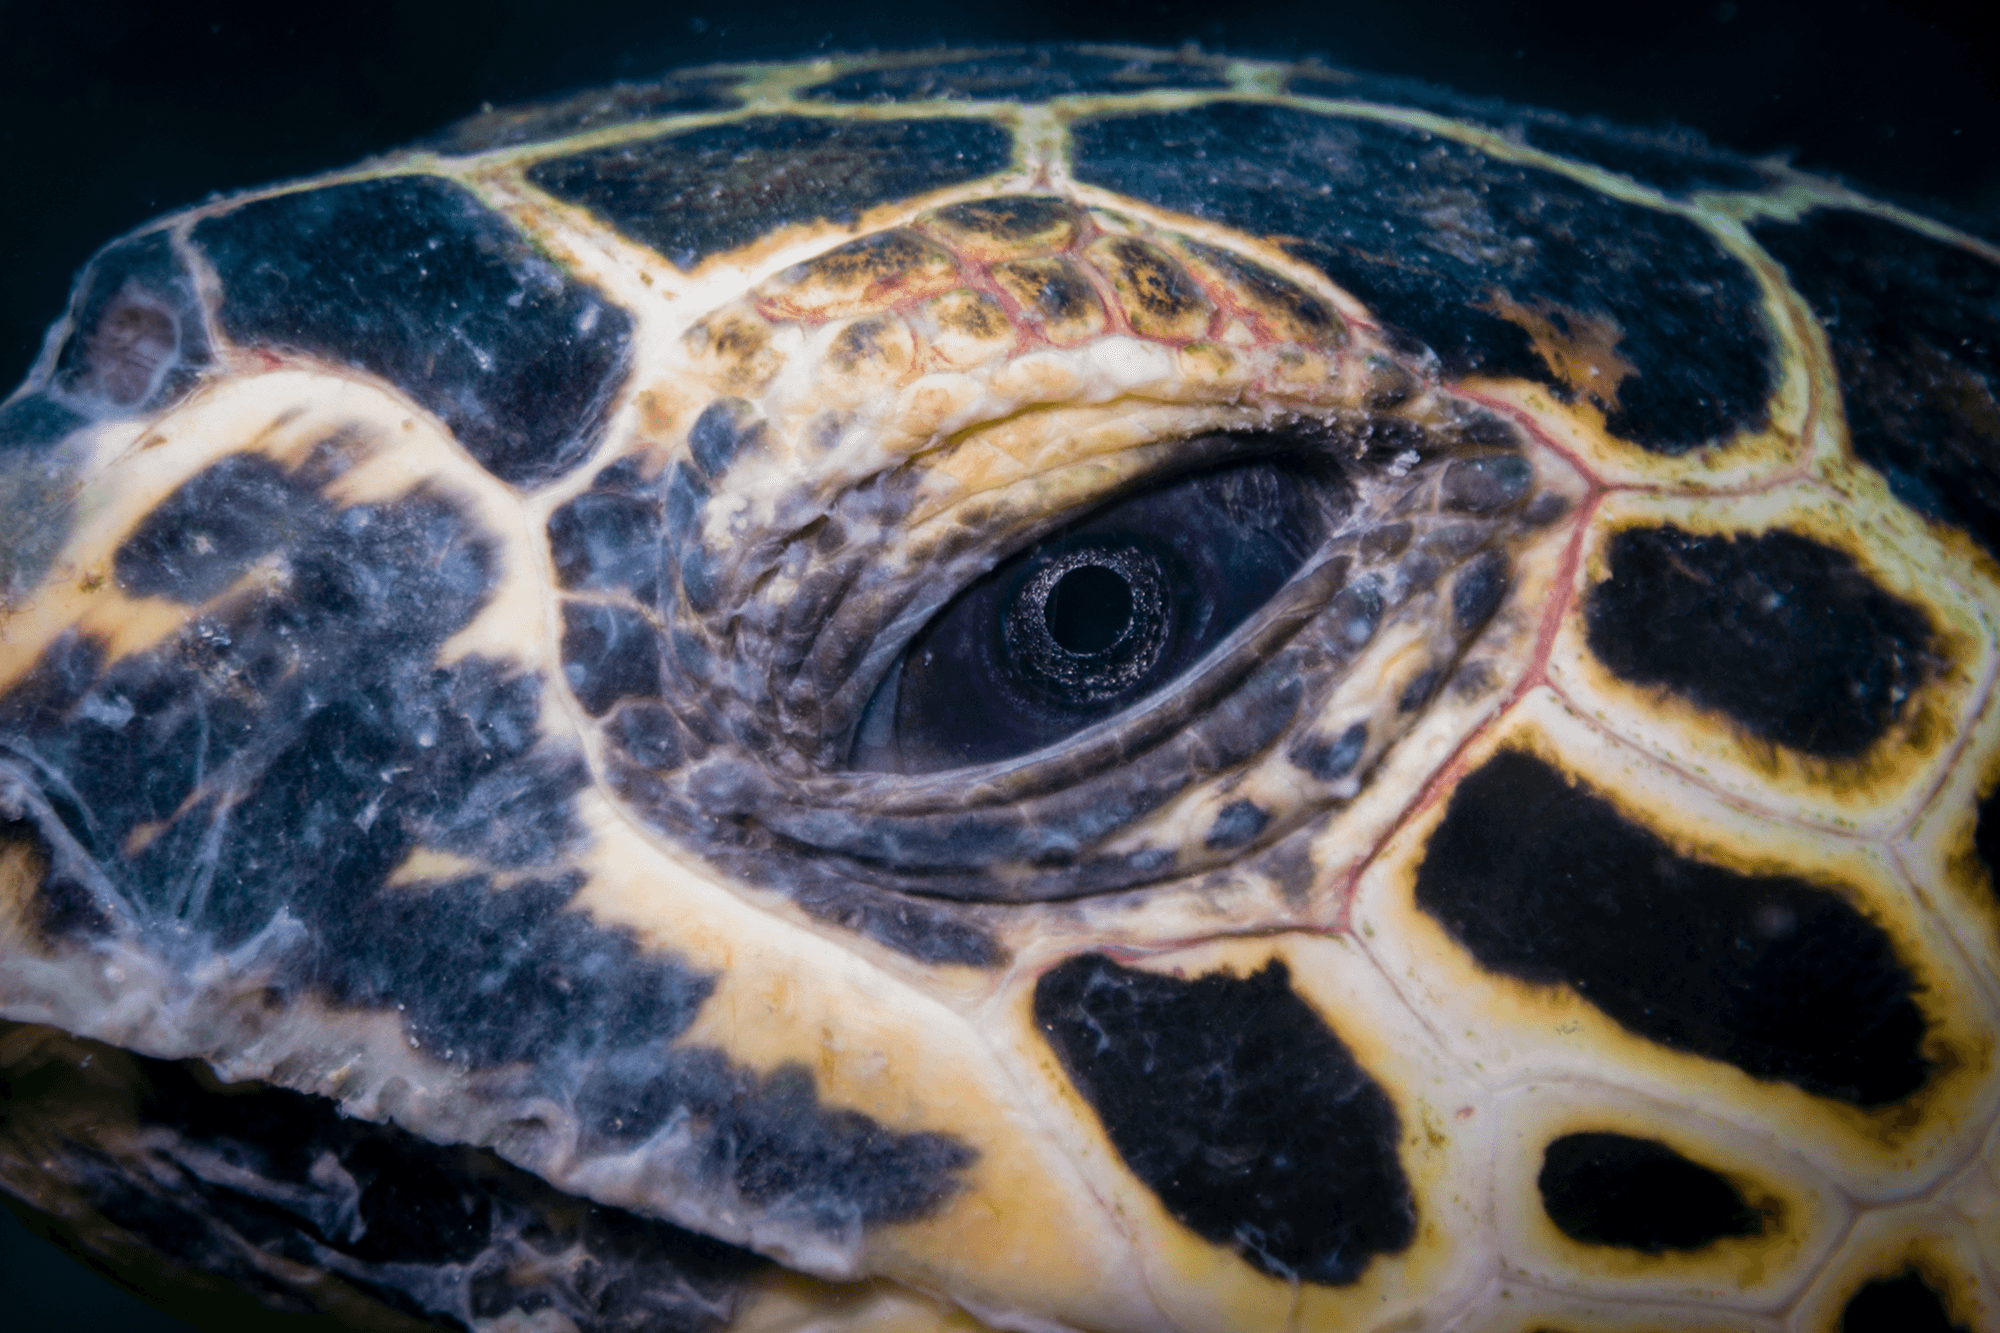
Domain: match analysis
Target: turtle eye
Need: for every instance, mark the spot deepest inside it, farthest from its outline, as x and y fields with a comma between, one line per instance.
x=1095, y=618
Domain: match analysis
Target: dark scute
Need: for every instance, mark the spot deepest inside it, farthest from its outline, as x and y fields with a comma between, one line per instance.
x=767, y=1137
x=413, y=279
x=698, y=193
x=225, y=1178
x=609, y=653
x=34, y=421
x=1427, y=232
x=1486, y=485
x=650, y=735
x=1454, y=541
x=595, y=109
x=139, y=341
x=1786, y=637
x=699, y=579
x=1901, y=1304
x=290, y=751
x=1420, y=689
x=685, y=500
x=198, y=540
x=1274, y=292
x=1232, y=1100
x=880, y=1175
x=1547, y=882
x=1011, y=217
x=1638, y=1194
x=610, y=535
x=1479, y=589
x=1030, y=75
x=725, y=428
x=1986, y=839
x=514, y=816
x=1357, y=609
x=1331, y=759
x=1914, y=324
x=151, y=739
x=1235, y=824
x=513, y=975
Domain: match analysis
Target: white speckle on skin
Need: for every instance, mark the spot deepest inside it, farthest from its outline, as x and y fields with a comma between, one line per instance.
x=110, y=710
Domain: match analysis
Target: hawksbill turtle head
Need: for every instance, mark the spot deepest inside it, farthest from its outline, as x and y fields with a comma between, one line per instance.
x=1113, y=691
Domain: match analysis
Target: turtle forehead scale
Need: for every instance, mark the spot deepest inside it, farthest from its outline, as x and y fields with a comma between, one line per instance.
x=1071, y=688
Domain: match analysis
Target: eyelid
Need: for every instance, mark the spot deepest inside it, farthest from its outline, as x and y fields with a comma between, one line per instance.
x=1290, y=711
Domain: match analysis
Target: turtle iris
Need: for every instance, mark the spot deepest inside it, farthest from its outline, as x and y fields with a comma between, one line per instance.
x=1090, y=624
x=1096, y=618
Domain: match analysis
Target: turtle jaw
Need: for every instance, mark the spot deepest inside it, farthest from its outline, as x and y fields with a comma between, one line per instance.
x=213, y=1198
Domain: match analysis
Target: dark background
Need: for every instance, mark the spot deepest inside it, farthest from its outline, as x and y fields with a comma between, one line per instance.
x=113, y=112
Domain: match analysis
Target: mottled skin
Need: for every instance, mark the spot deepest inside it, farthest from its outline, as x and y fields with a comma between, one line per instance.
x=1082, y=689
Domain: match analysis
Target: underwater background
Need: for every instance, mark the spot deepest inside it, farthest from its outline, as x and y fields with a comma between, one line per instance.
x=112, y=112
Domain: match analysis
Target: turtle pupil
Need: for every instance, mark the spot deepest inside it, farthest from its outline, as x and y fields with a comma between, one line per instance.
x=1089, y=625
x=1089, y=610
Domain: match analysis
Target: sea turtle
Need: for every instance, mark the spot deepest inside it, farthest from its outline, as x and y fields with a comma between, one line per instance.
x=1083, y=689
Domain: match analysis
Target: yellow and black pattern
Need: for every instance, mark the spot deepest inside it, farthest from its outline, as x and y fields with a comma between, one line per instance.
x=1086, y=689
